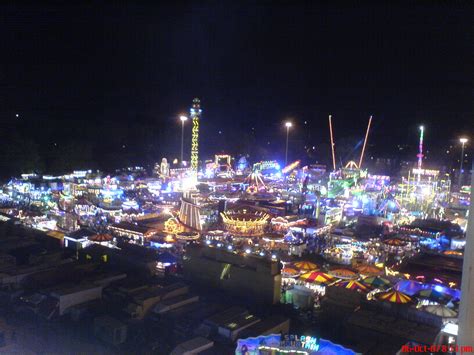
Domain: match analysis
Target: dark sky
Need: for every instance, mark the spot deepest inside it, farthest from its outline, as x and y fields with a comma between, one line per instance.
x=115, y=78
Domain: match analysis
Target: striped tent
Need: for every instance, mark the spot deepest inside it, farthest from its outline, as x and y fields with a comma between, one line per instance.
x=376, y=282
x=305, y=266
x=101, y=238
x=394, y=297
x=290, y=272
x=434, y=295
x=343, y=274
x=353, y=285
x=369, y=270
x=441, y=311
x=317, y=277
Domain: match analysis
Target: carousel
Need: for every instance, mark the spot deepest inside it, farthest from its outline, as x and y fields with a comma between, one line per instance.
x=187, y=236
x=245, y=222
x=102, y=239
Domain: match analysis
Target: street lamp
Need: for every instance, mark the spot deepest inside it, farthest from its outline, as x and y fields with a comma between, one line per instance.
x=288, y=125
x=183, y=119
x=463, y=141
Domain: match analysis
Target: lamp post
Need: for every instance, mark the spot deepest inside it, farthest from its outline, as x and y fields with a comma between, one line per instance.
x=183, y=119
x=288, y=125
x=463, y=141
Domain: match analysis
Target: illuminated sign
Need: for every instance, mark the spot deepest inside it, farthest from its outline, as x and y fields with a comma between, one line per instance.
x=333, y=215
x=304, y=342
x=288, y=344
x=285, y=343
x=265, y=165
x=80, y=173
x=427, y=172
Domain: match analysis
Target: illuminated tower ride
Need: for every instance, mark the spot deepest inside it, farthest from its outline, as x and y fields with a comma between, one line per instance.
x=420, y=151
x=332, y=145
x=195, y=112
x=365, y=143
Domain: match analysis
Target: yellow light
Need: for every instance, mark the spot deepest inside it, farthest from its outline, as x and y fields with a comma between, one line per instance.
x=195, y=144
x=195, y=115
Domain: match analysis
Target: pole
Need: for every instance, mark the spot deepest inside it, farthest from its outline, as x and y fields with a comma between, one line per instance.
x=365, y=142
x=182, y=140
x=420, y=152
x=286, y=150
x=332, y=144
x=460, y=168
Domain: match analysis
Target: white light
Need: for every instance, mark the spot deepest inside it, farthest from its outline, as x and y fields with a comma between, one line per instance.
x=262, y=253
x=274, y=256
x=183, y=118
x=422, y=128
x=288, y=124
x=229, y=247
x=208, y=242
x=463, y=140
x=248, y=251
x=426, y=191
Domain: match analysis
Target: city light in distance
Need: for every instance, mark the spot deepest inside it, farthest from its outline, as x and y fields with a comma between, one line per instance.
x=183, y=118
x=288, y=124
x=463, y=140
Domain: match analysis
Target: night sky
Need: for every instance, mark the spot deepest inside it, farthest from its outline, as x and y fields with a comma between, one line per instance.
x=103, y=86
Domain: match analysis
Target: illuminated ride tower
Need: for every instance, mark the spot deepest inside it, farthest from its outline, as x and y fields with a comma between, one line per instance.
x=420, y=152
x=195, y=113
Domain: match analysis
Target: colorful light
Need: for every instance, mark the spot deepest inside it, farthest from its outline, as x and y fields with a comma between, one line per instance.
x=420, y=150
x=290, y=167
x=195, y=115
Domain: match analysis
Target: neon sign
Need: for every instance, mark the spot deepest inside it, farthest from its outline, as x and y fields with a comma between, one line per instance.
x=304, y=342
x=428, y=172
x=288, y=344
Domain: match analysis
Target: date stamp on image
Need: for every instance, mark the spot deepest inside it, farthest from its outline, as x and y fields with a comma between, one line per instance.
x=440, y=348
